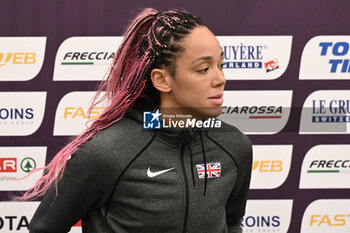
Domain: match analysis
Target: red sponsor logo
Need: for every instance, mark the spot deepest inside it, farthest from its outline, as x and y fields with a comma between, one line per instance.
x=78, y=224
x=8, y=164
x=271, y=65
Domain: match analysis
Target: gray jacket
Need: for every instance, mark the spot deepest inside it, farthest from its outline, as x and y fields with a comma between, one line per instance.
x=131, y=180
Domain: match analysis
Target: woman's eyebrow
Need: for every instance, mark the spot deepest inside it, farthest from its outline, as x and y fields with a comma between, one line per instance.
x=202, y=58
x=205, y=58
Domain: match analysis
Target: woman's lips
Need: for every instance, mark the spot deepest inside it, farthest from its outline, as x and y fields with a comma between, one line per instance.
x=217, y=99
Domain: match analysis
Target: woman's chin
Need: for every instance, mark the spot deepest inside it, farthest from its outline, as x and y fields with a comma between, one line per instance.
x=212, y=112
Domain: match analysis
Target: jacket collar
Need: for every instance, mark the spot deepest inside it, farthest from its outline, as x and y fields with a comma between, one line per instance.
x=173, y=136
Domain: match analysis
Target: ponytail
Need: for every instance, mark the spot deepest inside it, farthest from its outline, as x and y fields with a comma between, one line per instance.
x=151, y=40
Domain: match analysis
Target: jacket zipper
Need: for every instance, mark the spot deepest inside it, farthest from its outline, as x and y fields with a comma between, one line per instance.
x=187, y=191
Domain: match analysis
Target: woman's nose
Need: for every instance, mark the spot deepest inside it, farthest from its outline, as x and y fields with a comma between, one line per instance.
x=219, y=79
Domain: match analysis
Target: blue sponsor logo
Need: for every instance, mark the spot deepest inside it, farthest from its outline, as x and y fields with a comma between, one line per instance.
x=339, y=50
x=151, y=120
x=16, y=113
x=334, y=111
x=260, y=222
x=243, y=56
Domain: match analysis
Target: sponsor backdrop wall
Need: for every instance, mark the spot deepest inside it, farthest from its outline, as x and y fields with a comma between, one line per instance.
x=288, y=87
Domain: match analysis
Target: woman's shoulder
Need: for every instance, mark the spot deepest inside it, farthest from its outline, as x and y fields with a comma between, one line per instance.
x=229, y=134
x=116, y=143
x=233, y=141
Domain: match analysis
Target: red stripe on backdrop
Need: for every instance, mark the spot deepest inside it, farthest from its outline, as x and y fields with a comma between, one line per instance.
x=263, y=117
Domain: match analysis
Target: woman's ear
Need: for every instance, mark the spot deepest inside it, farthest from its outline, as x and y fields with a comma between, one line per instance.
x=161, y=79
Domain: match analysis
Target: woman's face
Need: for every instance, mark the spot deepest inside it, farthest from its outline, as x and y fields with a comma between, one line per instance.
x=198, y=84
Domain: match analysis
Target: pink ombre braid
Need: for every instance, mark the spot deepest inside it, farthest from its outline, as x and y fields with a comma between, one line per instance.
x=151, y=40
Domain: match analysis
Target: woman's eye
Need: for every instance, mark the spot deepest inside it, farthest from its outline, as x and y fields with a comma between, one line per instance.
x=204, y=70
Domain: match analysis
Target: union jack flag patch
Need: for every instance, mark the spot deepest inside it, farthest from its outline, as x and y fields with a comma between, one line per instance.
x=213, y=170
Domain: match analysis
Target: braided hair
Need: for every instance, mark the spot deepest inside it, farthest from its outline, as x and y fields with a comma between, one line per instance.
x=152, y=40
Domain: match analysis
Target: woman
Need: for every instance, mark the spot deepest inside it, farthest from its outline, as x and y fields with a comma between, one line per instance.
x=119, y=177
